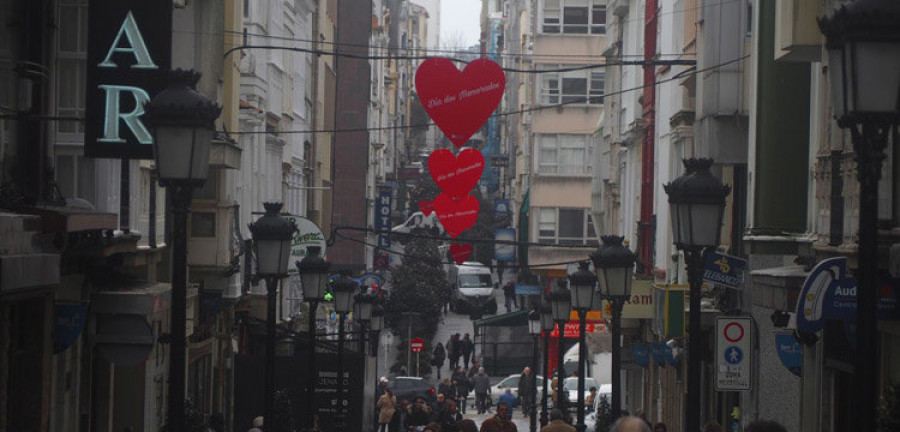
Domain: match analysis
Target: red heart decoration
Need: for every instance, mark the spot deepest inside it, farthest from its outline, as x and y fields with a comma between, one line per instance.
x=460, y=252
x=426, y=207
x=459, y=102
x=456, y=214
x=456, y=175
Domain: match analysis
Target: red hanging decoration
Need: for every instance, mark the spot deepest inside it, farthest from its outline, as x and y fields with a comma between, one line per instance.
x=460, y=252
x=456, y=214
x=426, y=207
x=459, y=102
x=456, y=175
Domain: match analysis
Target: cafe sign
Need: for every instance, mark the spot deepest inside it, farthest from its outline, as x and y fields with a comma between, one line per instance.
x=129, y=51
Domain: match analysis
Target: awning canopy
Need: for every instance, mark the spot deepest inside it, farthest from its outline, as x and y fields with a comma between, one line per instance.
x=512, y=319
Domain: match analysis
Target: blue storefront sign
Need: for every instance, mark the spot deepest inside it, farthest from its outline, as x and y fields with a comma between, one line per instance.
x=790, y=352
x=68, y=320
x=505, y=249
x=641, y=354
x=501, y=208
x=523, y=289
x=725, y=270
x=383, y=217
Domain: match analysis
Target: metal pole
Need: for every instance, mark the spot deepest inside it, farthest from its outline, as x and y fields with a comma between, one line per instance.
x=869, y=148
x=181, y=196
x=417, y=363
x=695, y=346
x=544, y=414
x=340, y=364
x=312, y=374
x=561, y=398
x=532, y=411
x=582, y=354
x=408, y=340
x=269, y=412
x=617, y=304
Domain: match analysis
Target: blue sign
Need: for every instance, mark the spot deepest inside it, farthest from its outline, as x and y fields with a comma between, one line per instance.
x=657, y=351
x=505, y=248
x=641, y=354
x=68, y=320
x=734, y=355
x=724, y=270
x=383, y=217
x=528, y=289
x=501, y=208
x=790, y=352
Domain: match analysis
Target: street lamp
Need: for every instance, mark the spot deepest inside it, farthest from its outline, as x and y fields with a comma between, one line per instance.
x=344, y=288
x=614, y=264
x=362, y=312
x=313, y=270
x=375, y=326
x=583, y=282
x=182, y=123
x=534, y=328
x=272, y=236
x=863, y=44
x=697, y=205
x=561, y=307
x=547, y=324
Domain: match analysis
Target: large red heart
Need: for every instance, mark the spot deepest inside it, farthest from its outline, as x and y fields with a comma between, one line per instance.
x=456, y=214
x=456, y=175
x=459, y=102
x=460, y=252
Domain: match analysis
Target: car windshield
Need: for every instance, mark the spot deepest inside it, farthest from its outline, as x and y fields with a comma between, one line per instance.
x=572, y=384
x=407, y=384
x=510, y=382
x=474, y=281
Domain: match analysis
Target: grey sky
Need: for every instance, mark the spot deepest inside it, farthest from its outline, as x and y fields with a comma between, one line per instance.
x=462, y=17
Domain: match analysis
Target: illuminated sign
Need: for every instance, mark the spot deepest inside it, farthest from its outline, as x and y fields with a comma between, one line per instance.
x=129, y=49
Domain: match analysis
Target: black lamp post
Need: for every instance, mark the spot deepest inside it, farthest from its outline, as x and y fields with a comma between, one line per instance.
x=345, y=289
x=313, y=270
x=863, y=43
x=561, y=307
x=375, y=326
x=547, y=324
x=697, y=204
x=272, y=240
x=534, y=328
x=362, y=312
x=582, y=282
x=614, y=264
x=182, y=123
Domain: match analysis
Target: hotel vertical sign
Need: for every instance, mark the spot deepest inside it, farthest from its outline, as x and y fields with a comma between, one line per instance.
x=129, y=49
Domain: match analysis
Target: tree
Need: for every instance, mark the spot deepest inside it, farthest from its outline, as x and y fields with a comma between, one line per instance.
x=604, y=416
x=889, y=411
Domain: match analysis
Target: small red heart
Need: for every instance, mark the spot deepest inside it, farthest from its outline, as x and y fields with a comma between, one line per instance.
x=460, y=252
x=456, y=175
x=426, y=207
x=456, y=214
x=459, y=102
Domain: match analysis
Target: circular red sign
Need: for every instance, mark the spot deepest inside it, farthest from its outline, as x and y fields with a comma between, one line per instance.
x=733, y=332
x=416, y=345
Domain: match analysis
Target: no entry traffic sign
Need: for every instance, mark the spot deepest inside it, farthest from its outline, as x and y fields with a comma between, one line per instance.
x=416, y=345
x=733, y=351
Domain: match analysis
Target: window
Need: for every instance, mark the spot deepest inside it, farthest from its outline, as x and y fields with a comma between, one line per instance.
x=574, y=17
x=565, y=226
x=572, y=87
x=71, y=68
x=563, y=154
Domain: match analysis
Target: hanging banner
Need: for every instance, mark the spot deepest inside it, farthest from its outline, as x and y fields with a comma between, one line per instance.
x=129, y=50
x=383, y=206
x=725, y=270
x=504, y=249
x=307, y=234
x=68, y=320
x=790, y=352
x=641, y=354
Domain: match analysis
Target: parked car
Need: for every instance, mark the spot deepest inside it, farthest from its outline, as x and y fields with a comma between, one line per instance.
x=571, y=387
x=410, y=388
x=512, y=382
x=604, y=392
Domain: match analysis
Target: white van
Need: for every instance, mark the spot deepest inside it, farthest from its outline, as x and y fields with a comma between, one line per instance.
x=473, y=285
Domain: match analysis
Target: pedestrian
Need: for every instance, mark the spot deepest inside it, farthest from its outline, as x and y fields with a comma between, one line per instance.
x=452, y=348
x=526, y=390
x=432, y=427
x=382, y=386
x=419, y=414
x=661, y=427
x=466, y=425
x=437, y=358
x=554, y=387
x=461, y=389
x=500, y=422
x=446, y=388
x=216, y=422
x=712, y=426
x=765, y=426
x=399, y=420
x=556, y=423
x=509, y=294
x=439, y=407
x=508, y=399
x=630, y=424
x=467, y=349
x=386, y=405
x=482, y=386
x=591, y=397
x=450, y=418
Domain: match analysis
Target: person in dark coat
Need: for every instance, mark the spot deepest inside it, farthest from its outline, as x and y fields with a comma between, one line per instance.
x=445, y=388
x=467, y=349
x=461, y=390
x=399, y=419
x=482, y=386
x=526, y=390
x=450, y=417
x=419, y=415
x=453, y=351
x=437, y=358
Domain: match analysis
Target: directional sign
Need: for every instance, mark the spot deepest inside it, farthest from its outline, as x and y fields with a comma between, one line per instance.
x=416, y=345
x=724, y=270
x=733, y=352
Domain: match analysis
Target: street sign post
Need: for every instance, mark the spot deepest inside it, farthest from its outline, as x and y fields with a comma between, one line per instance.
x=416, y=345
x=733, y=353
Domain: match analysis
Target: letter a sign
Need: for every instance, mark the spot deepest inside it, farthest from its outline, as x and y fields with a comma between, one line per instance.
x=129, y=49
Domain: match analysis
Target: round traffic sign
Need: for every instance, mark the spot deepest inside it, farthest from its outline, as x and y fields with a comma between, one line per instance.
x=416, y=345
x=733, y=332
